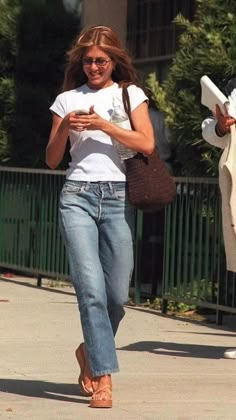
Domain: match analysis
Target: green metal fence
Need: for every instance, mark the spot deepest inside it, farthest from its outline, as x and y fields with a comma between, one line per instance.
x=192, y=241
x=194, y=262
x=30, y=239
x=189, y=245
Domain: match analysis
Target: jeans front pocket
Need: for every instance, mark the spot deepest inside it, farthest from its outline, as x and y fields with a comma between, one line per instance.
x=120, y=191
x=74, y=187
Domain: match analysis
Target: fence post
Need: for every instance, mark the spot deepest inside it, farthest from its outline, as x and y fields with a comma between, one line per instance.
x=39, y=280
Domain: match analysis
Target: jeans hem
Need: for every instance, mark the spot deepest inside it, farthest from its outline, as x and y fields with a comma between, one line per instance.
x=105, y=372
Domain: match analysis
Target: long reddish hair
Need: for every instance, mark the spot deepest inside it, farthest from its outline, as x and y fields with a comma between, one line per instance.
x=105, y=38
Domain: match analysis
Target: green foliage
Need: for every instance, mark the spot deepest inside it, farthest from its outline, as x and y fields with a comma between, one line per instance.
x=207, y=46
x=158, y=95
x=8, y=47
x=7, y=105
x=180, y=307
x=9, y=12
x=172, y=306
x=34, y=36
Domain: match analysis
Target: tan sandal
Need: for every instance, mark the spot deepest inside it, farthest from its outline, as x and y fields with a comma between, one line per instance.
x=84, y=380
x=105, y=400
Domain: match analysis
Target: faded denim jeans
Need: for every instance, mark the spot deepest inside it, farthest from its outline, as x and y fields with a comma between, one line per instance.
x=97, y=225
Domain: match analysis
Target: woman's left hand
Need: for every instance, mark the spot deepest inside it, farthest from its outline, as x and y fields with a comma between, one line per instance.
x=91, y=121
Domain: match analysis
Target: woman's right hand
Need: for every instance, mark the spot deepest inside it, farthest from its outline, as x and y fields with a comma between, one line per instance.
x=223, y=122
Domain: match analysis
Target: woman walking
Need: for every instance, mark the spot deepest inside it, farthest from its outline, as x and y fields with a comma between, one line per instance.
x=96, y=219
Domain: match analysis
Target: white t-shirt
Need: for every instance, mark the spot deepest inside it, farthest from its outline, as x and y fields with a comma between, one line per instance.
x=93, y=155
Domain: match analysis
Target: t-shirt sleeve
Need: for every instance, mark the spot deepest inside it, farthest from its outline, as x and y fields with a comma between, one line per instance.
x=59, y=106
x=136, y=96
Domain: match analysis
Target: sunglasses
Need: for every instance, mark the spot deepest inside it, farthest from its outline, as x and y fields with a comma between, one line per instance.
x=100, y=62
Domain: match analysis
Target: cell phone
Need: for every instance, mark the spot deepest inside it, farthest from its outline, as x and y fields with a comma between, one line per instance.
x=81, y=112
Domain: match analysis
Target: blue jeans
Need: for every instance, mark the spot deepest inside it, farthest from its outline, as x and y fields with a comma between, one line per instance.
x=97, y=225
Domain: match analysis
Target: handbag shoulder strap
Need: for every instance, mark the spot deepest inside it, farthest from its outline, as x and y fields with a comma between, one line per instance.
x=126, y=102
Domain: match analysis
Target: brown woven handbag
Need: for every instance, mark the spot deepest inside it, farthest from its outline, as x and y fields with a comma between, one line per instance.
x=150, y=185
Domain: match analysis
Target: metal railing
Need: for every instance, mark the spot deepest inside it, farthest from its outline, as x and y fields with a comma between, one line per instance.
x=30, y=239
x=193, y=257
x=194, y=262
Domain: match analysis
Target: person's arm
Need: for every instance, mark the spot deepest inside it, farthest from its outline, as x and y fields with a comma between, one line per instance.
x=216, y=130
x=57, y=142
x=59, y=136
x=209, y=133
x=141, y=139
x=223, y=123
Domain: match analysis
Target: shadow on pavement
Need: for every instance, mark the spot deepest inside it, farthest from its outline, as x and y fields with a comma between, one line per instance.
x=43, y=288
x=42, y=389
x=208, y=321
x=177, y=349
x=202, y=333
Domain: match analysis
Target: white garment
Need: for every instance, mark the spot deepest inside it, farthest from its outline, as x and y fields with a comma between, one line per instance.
x=93, y=155
x=227, y=178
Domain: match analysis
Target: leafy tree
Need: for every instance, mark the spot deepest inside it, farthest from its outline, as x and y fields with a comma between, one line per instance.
x=8, y=47
x=39, y=34
x=207, y=46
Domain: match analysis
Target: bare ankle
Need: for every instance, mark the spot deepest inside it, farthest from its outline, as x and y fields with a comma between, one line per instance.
x=103, y=380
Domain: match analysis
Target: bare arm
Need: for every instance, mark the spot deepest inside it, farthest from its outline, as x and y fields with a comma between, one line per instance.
x=141, y=139
x=57, y=142
x=58, y=137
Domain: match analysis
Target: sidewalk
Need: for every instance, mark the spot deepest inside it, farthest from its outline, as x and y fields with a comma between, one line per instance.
x=170, y=368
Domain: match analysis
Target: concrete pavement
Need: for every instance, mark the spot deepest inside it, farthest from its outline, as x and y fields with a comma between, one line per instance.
x=171, y=368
